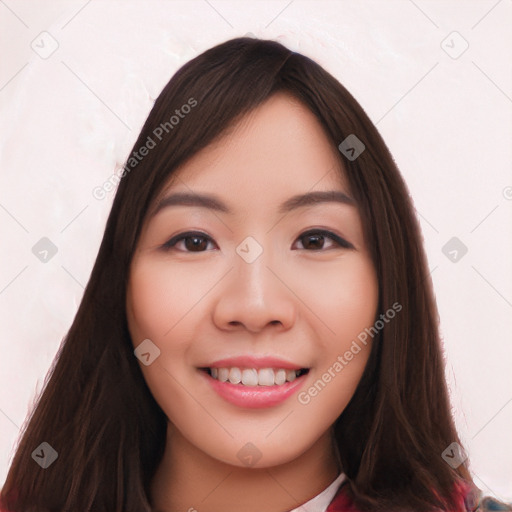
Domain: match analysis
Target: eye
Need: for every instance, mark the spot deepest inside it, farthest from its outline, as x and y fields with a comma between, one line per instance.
x=194, y=241
x=315, y=239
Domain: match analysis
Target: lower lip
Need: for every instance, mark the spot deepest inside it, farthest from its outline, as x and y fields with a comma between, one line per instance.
x=254, y=397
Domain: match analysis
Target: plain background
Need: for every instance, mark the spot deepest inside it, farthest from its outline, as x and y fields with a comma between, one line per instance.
x=68, y=119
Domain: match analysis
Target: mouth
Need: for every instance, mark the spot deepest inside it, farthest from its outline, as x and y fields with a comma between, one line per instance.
x=255, y=377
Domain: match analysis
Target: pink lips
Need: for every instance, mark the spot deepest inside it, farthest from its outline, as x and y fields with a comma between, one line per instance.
x=253, y=397
x=254, y=362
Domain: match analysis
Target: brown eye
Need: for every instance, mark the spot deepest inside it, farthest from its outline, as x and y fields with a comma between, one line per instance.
x=193, y=242
x=315, y=240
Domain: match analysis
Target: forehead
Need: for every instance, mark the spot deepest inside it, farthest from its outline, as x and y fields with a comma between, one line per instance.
x=277, y=150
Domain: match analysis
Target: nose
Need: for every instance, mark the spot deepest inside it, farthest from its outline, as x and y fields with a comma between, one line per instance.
x=255, y=295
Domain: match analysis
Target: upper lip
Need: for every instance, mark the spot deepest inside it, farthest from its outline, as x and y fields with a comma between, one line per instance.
x=254, y=362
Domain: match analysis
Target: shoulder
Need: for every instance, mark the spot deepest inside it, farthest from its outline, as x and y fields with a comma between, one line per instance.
x=470, y=499
x=342, y=501
x=488, y=504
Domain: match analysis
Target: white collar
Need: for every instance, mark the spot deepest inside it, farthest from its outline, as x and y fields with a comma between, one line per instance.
x=321, y=501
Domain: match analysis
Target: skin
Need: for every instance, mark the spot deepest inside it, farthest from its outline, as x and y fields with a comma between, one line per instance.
x=299, y=300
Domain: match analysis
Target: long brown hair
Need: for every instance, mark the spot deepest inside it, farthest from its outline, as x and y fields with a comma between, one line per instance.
x=96, y=410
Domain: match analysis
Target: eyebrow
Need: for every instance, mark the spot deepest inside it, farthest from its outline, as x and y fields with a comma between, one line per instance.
x=214, y=203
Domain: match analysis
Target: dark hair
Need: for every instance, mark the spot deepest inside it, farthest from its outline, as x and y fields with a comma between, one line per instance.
x=96, y=410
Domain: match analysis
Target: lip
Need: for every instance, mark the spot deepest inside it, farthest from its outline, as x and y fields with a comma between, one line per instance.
x=253, y=397
x=254, y=362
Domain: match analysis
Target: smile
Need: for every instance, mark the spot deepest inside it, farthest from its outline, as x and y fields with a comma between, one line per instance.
x=255, y=377
x=255, y=393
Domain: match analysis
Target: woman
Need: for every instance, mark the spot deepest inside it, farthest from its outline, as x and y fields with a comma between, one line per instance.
x=287, y=357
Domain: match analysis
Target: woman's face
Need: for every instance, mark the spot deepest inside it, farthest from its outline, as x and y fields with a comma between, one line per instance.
x=260, y=277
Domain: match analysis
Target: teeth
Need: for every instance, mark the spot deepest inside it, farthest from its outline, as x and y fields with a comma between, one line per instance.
x=223, y=374
x=290, y=375
x=250, y=377
x=235, y=375
x=254, y=377
x=266, y=377
x=280, y=377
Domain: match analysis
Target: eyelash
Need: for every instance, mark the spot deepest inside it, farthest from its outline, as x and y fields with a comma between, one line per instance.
x=342, y=243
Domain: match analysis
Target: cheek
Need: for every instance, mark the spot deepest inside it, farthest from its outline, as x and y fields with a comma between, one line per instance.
x=160, y=297
x=343, y=297
x=157, y=300
x=358, y=298
x=146, y=304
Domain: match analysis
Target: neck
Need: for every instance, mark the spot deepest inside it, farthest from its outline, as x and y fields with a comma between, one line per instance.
x=188, y=479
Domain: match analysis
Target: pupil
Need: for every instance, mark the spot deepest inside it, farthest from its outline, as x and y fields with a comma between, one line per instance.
x=195, y=244
x=317, y=240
